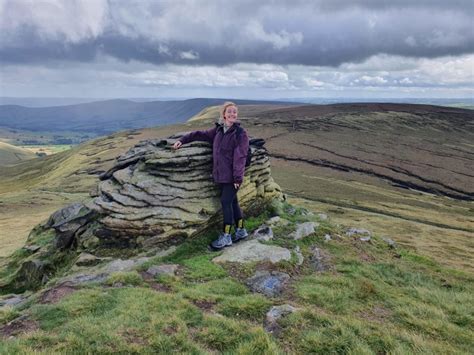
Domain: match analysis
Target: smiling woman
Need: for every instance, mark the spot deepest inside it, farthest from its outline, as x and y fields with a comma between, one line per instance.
x=230, y=145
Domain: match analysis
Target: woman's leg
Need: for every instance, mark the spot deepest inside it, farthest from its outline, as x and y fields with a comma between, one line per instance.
x=227, y=197
x=238, y=215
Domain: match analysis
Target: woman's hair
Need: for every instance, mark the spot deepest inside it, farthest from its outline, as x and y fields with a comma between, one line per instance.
x=223, y=108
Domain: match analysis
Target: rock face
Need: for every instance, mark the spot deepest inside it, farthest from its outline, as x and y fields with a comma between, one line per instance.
x=154, y=195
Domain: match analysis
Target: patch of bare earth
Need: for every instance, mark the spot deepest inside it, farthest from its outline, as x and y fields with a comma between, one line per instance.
x=133, y=336
x=20, y=325
x=150, y=280
x=55, y=294
x=204, y=305
x=377, y=314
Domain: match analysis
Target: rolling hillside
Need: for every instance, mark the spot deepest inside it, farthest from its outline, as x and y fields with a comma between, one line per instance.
x=408, y=167
x=104, y=117
x=9, y=154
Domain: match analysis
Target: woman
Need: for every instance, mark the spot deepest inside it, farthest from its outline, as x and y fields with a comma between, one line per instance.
x=230, y=144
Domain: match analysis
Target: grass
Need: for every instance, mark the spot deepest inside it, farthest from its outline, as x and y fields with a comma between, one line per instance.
x=47, y=149
x=373, y=300
x=414, y=299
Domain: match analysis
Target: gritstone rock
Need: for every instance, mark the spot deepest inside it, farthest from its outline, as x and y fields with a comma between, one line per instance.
x=153, y=196
x=164, y=269
x=358, y=231
x=263, y=233
x=271, y=284
x=253, y=250
x=303, y=230
x=274, y=314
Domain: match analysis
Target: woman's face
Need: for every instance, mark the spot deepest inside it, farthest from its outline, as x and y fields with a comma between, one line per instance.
x=230, y=114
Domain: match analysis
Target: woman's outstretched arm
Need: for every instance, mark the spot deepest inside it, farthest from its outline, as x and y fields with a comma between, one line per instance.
x=205, y=136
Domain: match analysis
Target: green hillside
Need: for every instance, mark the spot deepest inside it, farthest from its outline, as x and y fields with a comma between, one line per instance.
x=10, y=154
x=356, y=297
x=366, y=162
x=375, y=167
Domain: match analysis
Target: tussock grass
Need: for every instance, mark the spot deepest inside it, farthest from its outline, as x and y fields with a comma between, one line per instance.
x=371, y=300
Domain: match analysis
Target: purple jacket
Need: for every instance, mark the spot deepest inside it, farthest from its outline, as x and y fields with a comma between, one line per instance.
x=228, y=153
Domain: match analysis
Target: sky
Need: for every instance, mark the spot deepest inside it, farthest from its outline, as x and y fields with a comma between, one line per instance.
x=237, y=48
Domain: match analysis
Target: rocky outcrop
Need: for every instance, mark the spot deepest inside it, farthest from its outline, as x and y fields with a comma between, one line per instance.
x=153, y=196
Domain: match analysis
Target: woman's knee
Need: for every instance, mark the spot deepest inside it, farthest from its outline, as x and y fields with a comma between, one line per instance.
x=226, y=200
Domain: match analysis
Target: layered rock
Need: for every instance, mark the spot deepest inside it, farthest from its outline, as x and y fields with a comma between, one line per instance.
x=154, y=193
x=152, y=196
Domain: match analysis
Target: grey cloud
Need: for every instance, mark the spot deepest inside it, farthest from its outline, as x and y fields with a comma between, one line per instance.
x=323, y=33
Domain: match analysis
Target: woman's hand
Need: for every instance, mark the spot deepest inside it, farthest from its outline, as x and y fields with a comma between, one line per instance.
x=177, y=144
x=236, y=186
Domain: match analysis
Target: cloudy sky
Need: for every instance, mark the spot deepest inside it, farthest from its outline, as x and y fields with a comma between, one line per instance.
x=237, y=48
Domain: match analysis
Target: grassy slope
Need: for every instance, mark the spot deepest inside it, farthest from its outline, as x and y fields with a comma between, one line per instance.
x=10, y=154
x=371, y=300
x=30, y=192
x=437, y=226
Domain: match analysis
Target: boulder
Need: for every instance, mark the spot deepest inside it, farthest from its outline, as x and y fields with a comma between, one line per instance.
x=358, y=231
x=164, y=269
x=323, y=216
x=124, y=265
x=263, y=232
x=86, y=259
x=155, y=194
x=270, y=284
x=12, y=300
x=299, y=255
x=319, y=260
x=68, y=222
x=153, y=197
x=277, y=221
x=391, y=243
x=274, y=314
x=253, y=250
x=303, y=230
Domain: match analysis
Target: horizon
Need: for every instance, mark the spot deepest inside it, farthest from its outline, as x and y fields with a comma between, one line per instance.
x=317, y=50
x=41, y=102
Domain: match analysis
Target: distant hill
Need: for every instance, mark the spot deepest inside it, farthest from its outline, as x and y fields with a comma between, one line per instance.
x=105, y=117
x=9, y=154
x=213, y=112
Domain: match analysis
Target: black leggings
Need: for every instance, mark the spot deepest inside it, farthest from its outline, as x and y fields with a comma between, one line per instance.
x=230, y=204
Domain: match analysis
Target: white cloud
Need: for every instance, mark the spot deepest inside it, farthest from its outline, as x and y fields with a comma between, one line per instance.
x=55, y=19
x=279, y=40
x=191, y=55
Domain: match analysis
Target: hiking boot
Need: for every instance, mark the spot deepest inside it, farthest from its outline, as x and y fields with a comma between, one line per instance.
x=240, y=233
x=224, y=240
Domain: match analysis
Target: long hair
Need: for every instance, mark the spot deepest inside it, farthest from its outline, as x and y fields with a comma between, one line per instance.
x=223, y=108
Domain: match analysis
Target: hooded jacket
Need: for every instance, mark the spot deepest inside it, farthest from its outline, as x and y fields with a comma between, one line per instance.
x=229, y=152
